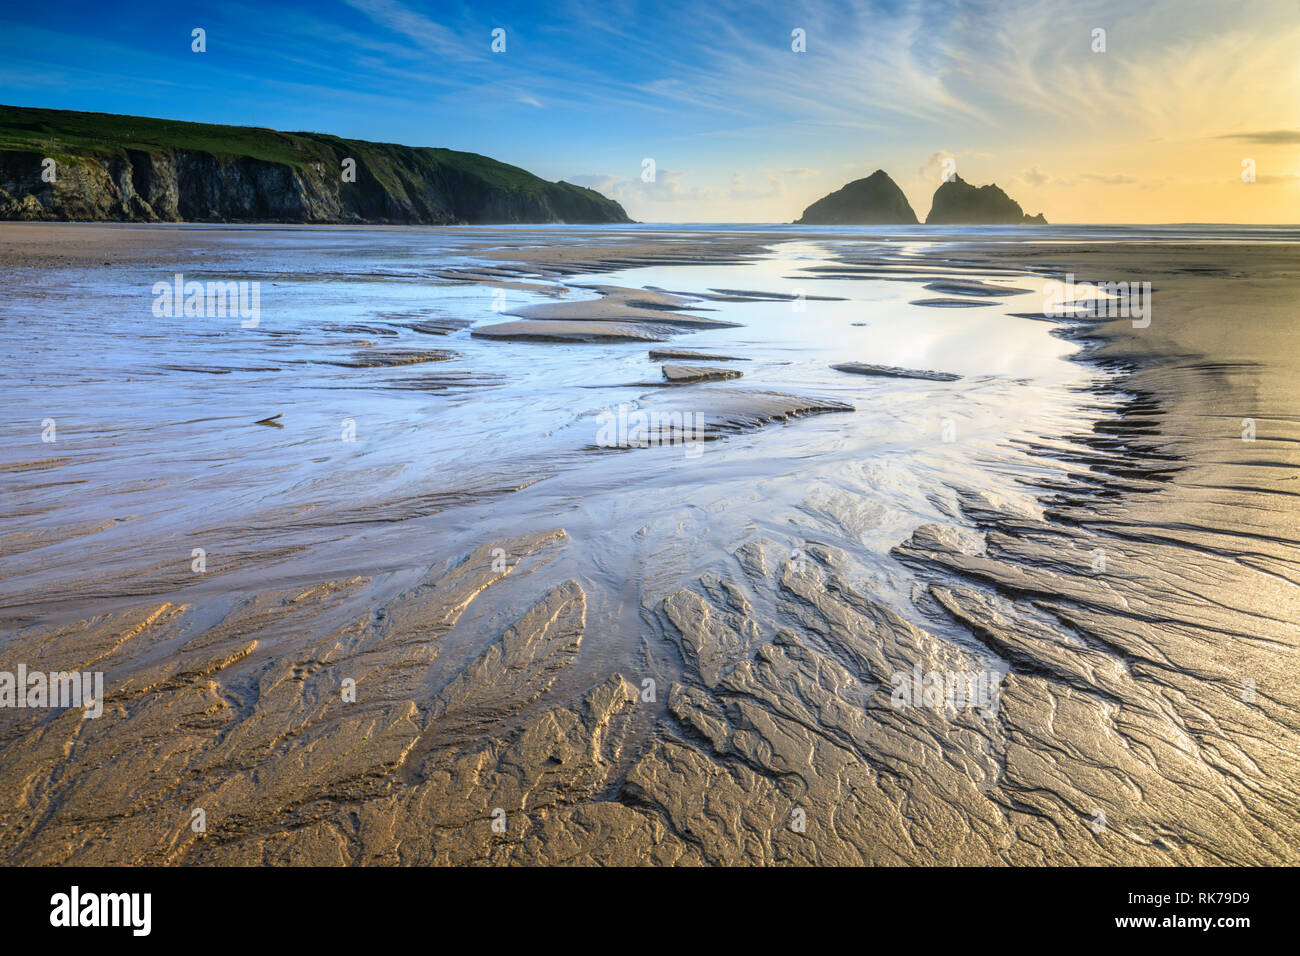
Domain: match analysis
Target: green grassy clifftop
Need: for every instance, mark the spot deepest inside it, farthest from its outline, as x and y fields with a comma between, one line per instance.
x=130, y=168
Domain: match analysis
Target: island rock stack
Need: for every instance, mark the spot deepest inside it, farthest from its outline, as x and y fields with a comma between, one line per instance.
x=873, y=201
x=958, y=203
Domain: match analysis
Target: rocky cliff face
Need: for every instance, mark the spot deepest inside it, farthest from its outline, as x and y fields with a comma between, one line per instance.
x=957, y=202
x=873, y=201
x=123, y=168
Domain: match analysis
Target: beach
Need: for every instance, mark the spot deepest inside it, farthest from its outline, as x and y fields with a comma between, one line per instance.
x=651, y=545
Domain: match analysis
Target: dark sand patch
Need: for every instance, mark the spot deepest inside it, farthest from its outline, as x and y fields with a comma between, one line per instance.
x=951, y=303
x=660, y=354
x=360, y=329
x=641, y=298
x=971, y=287
x=687, y=417
x=220, y=369
x=443, y=381
x=893, y=371
x=729, y=411
x=500, y=279
x=44, y=464
x=682, y=374
x=618, y=304
x=394, y=357
x=743, y=295
x=441, y=326
x=425, y=321
x=537, y=330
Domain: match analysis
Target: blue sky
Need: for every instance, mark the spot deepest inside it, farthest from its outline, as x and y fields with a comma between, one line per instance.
x=741, y=127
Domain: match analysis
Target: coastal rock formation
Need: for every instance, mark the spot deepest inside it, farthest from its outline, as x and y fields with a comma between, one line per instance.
x=129, y=168
x=958, y=203
x=874, y=201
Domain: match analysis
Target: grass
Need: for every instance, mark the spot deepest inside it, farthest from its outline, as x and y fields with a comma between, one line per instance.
x=65, y=132
x=69, y=136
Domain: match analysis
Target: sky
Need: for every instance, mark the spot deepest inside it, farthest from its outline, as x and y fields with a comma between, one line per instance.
x=1181, y=111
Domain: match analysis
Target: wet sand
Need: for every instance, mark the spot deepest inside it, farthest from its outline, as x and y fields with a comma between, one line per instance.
x=1126, y=567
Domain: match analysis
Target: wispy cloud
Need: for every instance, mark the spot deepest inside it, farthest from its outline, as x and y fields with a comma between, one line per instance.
x=1035, y=177
x=743, y=192
x=1113, y=180
x=416, y=28
x=1272, y=137
x=668, y=186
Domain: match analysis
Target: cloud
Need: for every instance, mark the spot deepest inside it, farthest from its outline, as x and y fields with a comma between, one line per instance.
x=418, y=29
x=667, y=187
x=1035, y=176
x=800, y=173
x=1272, y=137
x=1115, y=180
x=530, y=101
x=739, y=191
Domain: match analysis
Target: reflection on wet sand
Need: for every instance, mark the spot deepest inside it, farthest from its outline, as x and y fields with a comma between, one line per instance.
x=430, y=619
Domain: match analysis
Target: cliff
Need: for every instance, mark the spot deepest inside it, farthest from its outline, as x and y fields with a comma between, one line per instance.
x=129, y=168
x=873, y=201
x=957, y=202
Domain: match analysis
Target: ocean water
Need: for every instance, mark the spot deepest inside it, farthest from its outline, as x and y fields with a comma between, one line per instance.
x=132, y=439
